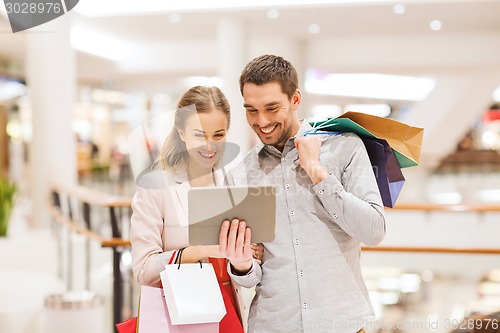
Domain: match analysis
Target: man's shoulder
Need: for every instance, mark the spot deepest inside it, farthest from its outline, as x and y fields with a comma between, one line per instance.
x=347, y=138
x=247, y=161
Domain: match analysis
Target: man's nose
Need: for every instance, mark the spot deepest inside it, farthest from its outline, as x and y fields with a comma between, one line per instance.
x=262, y=120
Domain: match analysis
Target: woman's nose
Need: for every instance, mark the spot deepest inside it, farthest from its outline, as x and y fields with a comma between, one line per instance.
x=210, y=144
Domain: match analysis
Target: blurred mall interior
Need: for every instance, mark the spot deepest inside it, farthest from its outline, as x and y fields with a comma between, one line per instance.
x=73, y=90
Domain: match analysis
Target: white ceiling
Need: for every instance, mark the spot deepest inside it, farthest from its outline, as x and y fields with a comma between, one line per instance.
x=353, y=38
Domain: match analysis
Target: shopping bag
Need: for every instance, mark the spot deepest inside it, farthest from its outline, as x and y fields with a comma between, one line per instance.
x=192, y=294
x=390, y=179
x=127, y=326
x=405, y=140
x=154, y=318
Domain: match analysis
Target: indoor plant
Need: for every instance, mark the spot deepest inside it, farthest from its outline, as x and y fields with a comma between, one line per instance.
x=7, y=191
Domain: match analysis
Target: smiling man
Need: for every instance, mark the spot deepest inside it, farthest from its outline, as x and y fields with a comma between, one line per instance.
x=328, y=203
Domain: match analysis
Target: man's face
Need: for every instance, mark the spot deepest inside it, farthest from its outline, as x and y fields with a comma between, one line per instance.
x=271, y=113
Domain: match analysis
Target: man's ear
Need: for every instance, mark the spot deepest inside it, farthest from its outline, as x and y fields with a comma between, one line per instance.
x=296, y=99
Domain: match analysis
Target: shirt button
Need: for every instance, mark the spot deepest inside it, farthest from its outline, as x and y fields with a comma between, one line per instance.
x=335, y=215
x=331, y=173
x=304, y=305
x=297, y=241
x=287, y=185
x=301, y=273
x=283, y=159
x=321, y=191
x=292, y=213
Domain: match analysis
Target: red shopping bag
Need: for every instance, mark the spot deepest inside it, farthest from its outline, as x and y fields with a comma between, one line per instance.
x=127, y=326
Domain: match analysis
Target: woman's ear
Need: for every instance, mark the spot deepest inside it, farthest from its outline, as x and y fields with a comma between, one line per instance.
x=181, y=135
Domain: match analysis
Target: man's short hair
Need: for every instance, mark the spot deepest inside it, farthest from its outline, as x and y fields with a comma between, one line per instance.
x=268, y=69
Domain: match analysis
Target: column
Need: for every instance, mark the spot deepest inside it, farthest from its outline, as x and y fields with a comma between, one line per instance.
x=231, y=44
x=297, y=50
x=51, y=78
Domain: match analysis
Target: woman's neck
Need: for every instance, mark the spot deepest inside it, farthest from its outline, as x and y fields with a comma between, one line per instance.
x=199, y=177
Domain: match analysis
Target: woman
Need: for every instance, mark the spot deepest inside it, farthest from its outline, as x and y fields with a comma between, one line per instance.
x=189, y=157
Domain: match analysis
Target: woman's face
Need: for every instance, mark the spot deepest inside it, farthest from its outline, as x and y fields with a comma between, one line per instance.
x=204, y=135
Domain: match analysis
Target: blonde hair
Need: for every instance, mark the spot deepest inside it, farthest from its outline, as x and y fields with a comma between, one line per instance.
x=173, y=155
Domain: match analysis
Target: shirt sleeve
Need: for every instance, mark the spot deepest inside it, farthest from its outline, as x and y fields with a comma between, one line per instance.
x=354, y=202
x=249, y=280
x=145, y=236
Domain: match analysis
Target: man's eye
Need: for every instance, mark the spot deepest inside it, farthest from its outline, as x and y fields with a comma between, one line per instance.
x=251, y=110
x=272, y=109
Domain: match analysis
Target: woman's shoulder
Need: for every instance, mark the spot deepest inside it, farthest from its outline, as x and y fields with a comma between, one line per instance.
x=155, y=179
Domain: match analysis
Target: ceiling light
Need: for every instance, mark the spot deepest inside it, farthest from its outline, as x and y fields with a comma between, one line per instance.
x=399, y=9
x=380, y=110
x=10, y=89
x=369, y=85
x=99, y=8
x=273, y=13
x=314, y=28
x=324, y=111
x=436, y=25
x=208, y=81
x=97, y=43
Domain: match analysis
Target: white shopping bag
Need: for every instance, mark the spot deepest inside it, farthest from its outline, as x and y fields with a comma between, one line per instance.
x=192, y=294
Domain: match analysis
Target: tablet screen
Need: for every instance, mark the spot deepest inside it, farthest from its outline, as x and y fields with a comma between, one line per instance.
x=208, y=207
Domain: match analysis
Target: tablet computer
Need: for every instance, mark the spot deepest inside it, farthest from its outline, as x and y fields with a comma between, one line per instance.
x=208, y=207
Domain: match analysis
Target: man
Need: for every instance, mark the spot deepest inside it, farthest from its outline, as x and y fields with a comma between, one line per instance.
x=328, y=203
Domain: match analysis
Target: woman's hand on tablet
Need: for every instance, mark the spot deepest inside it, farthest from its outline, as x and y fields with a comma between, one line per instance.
x=234, y=243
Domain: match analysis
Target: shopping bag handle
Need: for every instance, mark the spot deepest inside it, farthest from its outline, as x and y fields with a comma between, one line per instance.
x=179, y=257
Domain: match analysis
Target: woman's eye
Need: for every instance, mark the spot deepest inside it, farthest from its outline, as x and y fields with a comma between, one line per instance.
x=199, y=135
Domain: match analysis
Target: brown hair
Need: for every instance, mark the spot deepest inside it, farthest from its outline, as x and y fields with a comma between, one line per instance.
x=270, y=68
x=173, y=155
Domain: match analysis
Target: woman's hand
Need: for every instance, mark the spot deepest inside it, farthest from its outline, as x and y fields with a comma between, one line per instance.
x=234, y=244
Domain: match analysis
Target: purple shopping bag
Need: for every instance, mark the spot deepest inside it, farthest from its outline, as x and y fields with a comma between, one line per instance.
x=390, y=179
x=154, y=317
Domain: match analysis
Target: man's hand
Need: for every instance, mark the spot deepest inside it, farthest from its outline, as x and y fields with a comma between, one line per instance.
x=257, y=252
x=234, y=244
x=308, y=148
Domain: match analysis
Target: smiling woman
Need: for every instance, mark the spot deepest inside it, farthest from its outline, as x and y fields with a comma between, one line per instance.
x=190, y=157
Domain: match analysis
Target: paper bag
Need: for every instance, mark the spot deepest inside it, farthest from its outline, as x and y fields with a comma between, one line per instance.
x=192, y=294
x=153, y=316
x=390, y=179
x=405, y=140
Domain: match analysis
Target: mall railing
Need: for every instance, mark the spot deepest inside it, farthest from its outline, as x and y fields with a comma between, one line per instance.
x=101, y=218
x=428, y=207
x=117, y=238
